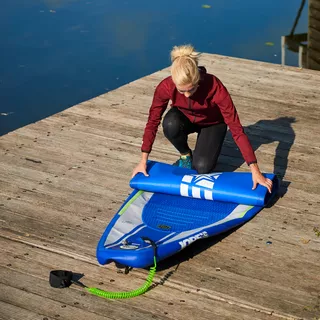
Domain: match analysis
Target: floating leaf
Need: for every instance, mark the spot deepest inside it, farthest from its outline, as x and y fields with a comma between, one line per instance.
x=5, y=113
x=206, y=6
x=269, y=44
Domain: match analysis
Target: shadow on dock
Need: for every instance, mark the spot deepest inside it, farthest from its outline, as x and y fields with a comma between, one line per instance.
x=260, y=133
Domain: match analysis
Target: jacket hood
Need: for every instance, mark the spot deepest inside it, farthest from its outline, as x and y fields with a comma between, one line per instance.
x=202, y=71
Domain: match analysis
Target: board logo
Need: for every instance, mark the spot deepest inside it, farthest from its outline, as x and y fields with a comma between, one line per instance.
x=198, y=185
x=188, y=241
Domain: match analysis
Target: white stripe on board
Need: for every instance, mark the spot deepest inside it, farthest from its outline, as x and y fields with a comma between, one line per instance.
x=196, y=192
x=184, y=190
x=208, y=195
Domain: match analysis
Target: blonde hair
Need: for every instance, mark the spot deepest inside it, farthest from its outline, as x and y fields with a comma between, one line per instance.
x=184, y=68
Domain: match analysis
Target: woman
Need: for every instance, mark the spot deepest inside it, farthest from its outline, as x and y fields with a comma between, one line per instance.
x=200, y=103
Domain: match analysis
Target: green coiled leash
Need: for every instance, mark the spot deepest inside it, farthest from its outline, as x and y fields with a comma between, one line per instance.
x=129, y=294
x=63, y=279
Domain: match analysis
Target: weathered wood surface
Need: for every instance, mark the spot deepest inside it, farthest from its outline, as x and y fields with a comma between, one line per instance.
x=314, y=35
x=63, y=178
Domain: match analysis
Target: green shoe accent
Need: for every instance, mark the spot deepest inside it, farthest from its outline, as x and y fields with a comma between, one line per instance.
x=184, y=162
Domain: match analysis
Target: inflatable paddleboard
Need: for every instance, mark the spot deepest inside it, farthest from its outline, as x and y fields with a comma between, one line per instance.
x=175, y=207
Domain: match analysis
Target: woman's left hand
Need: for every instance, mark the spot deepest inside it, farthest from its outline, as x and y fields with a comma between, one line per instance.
x=259, y=178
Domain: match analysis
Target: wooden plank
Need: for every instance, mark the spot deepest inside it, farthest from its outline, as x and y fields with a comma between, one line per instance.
x=300, y=138
x=30, y=301
x=49, y=195
x=314, y=64
x=314, y=54
x=315, y=45
x=181, y=304
x=11, y=312
x=258, y=133
x=314, y=33
x=314, y=4
x=305, y=154
x=314, y=36
x=314, y=14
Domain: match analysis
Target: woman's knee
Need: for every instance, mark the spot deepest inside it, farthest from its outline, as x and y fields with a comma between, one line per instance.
x=171, y=125
x=203, y=165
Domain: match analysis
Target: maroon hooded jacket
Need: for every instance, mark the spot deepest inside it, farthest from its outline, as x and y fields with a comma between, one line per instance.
x=210, y=104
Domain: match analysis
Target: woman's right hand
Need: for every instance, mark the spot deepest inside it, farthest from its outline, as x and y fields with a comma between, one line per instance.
x=141, y=167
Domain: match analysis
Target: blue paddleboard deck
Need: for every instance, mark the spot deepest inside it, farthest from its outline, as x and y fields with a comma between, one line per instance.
x=171, y=219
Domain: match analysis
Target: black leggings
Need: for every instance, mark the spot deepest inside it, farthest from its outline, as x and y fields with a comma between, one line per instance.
x=177, y=127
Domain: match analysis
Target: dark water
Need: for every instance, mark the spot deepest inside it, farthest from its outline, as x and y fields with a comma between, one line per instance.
x=57, y=53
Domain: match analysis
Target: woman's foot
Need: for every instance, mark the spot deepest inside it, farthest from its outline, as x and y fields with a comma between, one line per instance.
x=185, y=161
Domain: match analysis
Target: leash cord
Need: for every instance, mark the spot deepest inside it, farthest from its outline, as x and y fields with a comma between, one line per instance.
x=129, y=294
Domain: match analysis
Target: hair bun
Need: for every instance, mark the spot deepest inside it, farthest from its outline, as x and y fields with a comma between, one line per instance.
x=184, y=51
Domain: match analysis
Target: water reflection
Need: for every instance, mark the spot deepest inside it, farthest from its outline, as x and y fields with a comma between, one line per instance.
x=306, y=44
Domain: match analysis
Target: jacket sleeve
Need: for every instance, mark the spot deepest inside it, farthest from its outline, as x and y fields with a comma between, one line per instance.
x=159, y=104
x=231, y=118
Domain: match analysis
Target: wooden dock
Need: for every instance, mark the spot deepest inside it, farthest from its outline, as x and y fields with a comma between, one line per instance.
x=63, y=178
